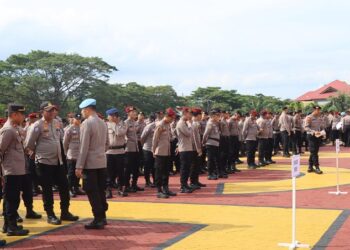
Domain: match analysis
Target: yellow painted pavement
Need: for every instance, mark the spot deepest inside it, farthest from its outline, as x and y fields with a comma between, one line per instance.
x=228, y=227
x=306, y=181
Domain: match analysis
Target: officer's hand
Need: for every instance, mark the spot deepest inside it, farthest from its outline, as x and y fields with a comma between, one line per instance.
x=79, y=172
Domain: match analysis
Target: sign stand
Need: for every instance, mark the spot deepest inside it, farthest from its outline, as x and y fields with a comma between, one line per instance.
x=337, y=150
x=295, y=173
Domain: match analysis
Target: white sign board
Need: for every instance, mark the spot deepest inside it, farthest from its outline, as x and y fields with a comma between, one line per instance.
x=295, y=166
x=337, y=145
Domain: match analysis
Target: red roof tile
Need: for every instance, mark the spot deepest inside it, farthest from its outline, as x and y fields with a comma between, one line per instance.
x=328, y=90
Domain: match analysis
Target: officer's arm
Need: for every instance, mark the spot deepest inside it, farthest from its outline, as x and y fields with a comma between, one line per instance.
x=32, y=137
x=155, y=139
x=6, y=137
x=84, y=145
x=207, y=131
x=145, y=134
x=245, y=129
x=308, y=125
x=181, y=127
x=66, y=140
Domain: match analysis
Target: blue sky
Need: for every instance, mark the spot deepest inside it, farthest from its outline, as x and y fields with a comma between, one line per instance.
x=275, y=47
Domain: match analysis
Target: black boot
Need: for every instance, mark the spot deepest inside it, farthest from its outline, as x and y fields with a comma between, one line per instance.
x=318, y=170
x=53, y=220
x=14, y=230
x=122, y=193
x=96, y=224
x=109, y=194
x=31, y=214
x=310, y=169
x=168, y=192
x=67, y=216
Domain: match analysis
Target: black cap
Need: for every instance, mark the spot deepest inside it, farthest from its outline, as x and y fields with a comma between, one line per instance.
x=14, y=107
x=152, y=116
x=47, y=106
x=77, y=116
x=316, y=107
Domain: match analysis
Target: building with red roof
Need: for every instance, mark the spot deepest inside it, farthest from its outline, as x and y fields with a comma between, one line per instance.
x=323, y=94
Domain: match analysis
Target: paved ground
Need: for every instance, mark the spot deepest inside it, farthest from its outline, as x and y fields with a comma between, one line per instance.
x=249, y=210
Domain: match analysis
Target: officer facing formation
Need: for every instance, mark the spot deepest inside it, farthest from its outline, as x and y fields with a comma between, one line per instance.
x=116, y=153
x=91, y=164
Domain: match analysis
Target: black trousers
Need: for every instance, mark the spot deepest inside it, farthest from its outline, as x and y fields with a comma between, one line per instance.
x=115, y=169
x=262, y=149
x=27, y=192
x=132, y=167
x=32, y=171
x=314, y=146
x=162, y=171
x=12, y=189
x=285, y=141
x=297, y=136
x=347, y=135
x=235, y=145
x=268, y=154
x=50, y=175
x=195, y=168
x=148, y=160
x=175, y=158
x=186, y=160
x=73, y=180
x=213, y=159
x=224, y=152
x=94, y=184
x=334, y=135
x=276, y=141
x=251, y=149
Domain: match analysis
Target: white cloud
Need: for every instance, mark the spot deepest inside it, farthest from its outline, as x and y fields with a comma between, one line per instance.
x=253, y=46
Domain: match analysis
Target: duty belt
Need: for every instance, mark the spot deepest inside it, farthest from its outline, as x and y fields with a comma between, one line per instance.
x=117, y=147
x=214, y=139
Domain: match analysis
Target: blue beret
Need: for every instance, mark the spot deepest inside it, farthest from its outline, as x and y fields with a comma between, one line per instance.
x=87, y=103
x=112, y=111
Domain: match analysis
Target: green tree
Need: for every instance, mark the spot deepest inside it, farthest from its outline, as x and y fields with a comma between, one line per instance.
x=42, y=75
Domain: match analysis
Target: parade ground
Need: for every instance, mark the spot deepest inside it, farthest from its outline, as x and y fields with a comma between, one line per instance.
x=249, y=210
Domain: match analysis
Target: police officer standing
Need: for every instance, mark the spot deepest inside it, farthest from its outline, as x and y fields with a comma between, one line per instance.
x=286, y=130
x=71, y=144
x=13, y=168
x=43, y=141
x=224, y=144
x=263, y=138
x=250, y=133
x=197, y=144
x=314, y=128
x=185, y=148
x=161, y=152
x=132, y=151
x=115, y=153
x=211, y=140
x=91, y=164
x=297, y=128
x=146, y=142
